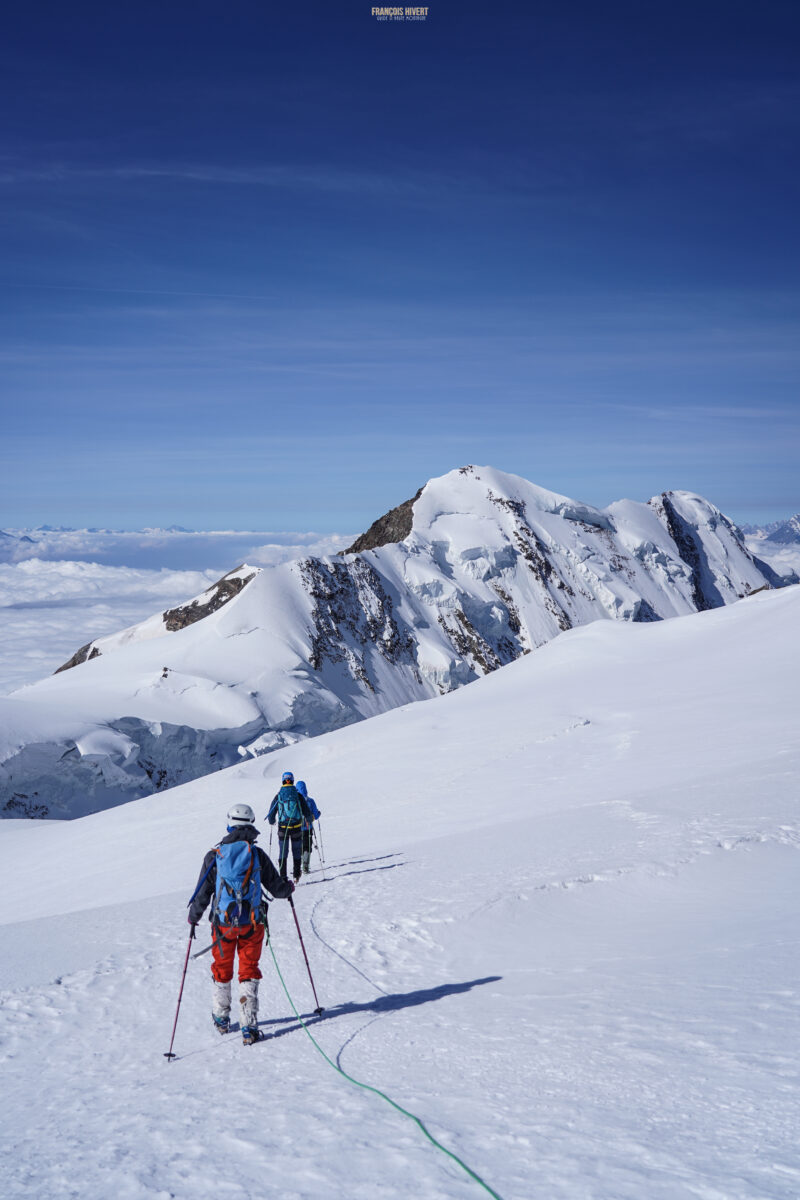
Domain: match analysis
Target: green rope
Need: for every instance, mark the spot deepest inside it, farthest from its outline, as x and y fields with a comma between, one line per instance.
x=368, y=1087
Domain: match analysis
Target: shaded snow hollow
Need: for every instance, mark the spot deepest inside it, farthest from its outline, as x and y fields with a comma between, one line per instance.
x=489, y=567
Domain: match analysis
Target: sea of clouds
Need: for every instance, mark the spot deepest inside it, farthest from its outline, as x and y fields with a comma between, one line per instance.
x=61, y=588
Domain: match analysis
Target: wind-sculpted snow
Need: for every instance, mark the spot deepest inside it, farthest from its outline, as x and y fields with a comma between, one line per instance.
x=489, y=568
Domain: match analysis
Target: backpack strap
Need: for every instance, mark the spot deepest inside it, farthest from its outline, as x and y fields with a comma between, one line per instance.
x=203, y=878
x=214, y=915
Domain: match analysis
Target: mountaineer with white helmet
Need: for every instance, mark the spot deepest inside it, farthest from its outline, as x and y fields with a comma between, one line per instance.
x=233, y=874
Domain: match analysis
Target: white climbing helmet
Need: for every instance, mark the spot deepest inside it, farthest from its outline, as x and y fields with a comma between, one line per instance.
x=241, y=814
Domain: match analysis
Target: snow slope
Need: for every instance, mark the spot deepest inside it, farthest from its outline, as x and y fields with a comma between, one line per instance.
x=48, y=608
x=478, y=570
x=559, y=924
x=51, y=602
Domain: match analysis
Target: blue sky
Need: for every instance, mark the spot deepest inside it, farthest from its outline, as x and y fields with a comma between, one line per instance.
x=272, y=266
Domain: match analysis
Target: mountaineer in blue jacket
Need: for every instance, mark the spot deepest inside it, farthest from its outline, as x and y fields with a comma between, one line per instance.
x=308, y=826
x=292, y=811
x=232, y=879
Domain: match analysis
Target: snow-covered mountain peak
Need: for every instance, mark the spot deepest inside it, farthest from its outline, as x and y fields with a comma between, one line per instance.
x=479, y=568
x=476, y=496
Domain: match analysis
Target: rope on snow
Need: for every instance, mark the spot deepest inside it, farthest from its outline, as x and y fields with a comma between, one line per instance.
x=368, y=1087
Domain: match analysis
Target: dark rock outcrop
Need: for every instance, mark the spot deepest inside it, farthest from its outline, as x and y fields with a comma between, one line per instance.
x=705, y=593
x=393, y=526
x=80, y=656
x=351, y=605
x=219, y=595
x=534, y=554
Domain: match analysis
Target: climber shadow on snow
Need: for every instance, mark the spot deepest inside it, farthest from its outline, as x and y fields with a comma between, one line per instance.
x=357, y=862
x=382, y=1005
x=345, y=874
x=280, y=1026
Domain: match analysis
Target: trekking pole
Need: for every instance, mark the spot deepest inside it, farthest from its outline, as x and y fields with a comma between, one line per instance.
x=169, y=1055
x=321, y=847
x=315, y=839
x=214, y=942
x=319, y=1009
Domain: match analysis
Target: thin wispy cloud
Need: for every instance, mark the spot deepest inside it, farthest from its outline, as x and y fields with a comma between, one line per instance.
x=405, y=183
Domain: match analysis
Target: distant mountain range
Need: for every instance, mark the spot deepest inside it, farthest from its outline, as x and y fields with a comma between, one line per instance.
x=780, y=532
x=778, y=545
x=477, y=569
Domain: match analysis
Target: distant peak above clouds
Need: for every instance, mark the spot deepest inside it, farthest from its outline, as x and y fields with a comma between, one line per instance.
x=786, y=532
x=478, y=568
x=777, y=544
x=777, y=531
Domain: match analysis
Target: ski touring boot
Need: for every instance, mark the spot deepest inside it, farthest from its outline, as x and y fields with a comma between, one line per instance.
x=251, y=1034
x=221, y=1024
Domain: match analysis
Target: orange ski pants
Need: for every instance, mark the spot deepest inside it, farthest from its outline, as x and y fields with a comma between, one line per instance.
x=227, y=939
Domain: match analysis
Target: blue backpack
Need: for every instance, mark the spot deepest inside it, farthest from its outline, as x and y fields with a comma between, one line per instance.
x=237, y=897
x=289, y=810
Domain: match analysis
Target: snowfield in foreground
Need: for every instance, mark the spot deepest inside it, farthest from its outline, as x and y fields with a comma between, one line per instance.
x=559, y=925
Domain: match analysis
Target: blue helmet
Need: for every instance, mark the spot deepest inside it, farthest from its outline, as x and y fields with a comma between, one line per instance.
x=301, y=787
x=288, y=777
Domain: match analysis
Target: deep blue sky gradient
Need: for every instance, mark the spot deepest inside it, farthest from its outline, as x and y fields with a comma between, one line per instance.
x=272, y=266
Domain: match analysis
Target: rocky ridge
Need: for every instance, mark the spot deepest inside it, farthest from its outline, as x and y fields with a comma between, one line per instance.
x=489, y=567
